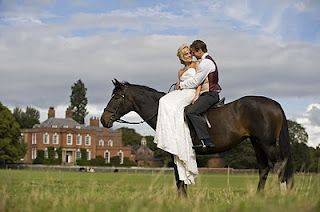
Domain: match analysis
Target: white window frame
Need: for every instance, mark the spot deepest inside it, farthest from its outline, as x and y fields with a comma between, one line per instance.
x=46, y=138
x=120, y=154
x=34, y=138
x=79, y=139
x=88, y=154
x=55, y=138
x=56, y=156
x=107, y=159
x=78, y=154
x=69, y=135
x=101, y=142
x=110, y=143
x=46, y=153
x=33, y=153
x=87, y=141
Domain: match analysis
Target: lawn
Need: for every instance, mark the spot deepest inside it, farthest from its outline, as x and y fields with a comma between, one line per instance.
x=25, y=190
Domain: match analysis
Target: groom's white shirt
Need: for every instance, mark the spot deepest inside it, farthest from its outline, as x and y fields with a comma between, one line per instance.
x=205, y=67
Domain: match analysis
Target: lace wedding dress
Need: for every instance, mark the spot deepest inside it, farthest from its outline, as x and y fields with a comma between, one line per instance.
x=172, y=132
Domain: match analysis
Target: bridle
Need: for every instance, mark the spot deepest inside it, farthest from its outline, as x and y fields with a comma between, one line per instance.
x=122, y=96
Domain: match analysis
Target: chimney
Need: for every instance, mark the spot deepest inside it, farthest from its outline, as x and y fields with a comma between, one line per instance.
x=94, y=122
x=69, y=113
x=51, y=112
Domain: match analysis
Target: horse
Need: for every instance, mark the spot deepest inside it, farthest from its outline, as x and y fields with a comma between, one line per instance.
x=258, y=118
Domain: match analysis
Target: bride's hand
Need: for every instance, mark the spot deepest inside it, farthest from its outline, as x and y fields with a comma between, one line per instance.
x=195, y=98
x=178, y=86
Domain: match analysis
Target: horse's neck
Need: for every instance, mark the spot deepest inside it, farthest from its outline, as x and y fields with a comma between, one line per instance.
x=146, y=105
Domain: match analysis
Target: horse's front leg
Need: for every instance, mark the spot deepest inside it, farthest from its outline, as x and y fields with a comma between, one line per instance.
x=181, y=186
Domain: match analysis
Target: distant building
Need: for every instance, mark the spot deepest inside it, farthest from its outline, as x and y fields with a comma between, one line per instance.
x=70, y=136
x=144, y=156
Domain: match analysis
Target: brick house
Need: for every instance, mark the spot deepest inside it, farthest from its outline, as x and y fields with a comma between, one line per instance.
x=70, y=136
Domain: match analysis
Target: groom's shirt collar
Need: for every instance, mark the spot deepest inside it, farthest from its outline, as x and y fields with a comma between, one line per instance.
x=204, y=55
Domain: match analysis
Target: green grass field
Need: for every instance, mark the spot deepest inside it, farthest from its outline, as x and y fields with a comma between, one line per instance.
x=24, y=190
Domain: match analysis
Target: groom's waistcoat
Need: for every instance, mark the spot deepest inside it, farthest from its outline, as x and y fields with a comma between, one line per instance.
x=211, y=83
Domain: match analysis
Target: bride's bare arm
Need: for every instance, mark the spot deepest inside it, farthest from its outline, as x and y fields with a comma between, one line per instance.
x=198, y=89
x=180, y=72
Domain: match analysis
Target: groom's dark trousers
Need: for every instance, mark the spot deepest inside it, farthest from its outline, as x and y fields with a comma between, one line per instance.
x=195, y=111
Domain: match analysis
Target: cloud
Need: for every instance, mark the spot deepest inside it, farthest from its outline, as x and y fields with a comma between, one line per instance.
x=44, y=51
x=313, y=112
x=311, y=121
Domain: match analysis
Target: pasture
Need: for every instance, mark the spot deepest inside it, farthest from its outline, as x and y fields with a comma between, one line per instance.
x=25, y=190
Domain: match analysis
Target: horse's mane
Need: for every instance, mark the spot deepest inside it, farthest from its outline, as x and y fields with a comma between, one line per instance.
x=143, y=87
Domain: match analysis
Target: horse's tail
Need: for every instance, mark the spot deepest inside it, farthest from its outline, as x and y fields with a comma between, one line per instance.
x=286, y=175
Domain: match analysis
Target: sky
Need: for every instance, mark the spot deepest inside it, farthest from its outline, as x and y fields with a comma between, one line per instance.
x=269, y=48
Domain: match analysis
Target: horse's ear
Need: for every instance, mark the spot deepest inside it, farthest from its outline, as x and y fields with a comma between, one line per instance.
x=116, y=83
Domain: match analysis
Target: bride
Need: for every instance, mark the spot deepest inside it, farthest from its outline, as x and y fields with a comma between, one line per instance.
x=172, y=132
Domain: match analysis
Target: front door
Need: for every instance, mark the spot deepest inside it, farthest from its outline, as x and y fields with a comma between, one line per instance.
x=69, y=157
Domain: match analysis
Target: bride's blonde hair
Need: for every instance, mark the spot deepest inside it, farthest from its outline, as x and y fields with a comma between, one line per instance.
x=180, y=53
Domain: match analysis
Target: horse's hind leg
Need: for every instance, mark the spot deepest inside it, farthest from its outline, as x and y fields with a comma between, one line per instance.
x=262, y=160
x=279, y=164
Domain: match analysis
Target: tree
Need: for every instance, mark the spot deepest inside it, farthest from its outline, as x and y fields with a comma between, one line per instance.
x=11, y=146
x=241, y=157
x=78, y=101
x=130, y=137
x=302, y=157
x=26, y=119
x=297, y=133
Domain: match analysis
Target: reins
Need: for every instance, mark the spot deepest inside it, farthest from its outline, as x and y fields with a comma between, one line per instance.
x=140, y=122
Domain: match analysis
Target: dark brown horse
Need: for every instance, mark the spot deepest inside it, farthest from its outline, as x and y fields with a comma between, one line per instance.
x=260, y=119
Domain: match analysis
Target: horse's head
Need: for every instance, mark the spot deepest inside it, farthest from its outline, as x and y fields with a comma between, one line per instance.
x=117, y=106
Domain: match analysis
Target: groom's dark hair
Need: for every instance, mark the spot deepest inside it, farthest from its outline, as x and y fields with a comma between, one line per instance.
x=199, y=44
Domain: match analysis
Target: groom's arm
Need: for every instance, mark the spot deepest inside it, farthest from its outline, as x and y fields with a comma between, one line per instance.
x=203, y=70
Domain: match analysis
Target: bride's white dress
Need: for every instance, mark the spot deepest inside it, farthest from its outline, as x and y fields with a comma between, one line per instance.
x=172, y=132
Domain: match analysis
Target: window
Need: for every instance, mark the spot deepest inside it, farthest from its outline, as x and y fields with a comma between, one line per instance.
x=46, y=138
x=56, y=156
x=79, y=139
x=78, y=154
x=54, y=126
x=55, y=138
x=101, y=142
x=120, y=154
x=33, y=153
x=110, y=143
x=107, y=156
x=45, y=153
x=34, y=138
x=69, y=139
x=21, y=139
x=89, y=154
x=88, y=140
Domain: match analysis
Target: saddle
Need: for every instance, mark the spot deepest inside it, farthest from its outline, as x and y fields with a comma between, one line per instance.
x=219, y=104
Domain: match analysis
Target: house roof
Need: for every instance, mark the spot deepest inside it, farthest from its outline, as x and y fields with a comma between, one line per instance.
x=59, y=123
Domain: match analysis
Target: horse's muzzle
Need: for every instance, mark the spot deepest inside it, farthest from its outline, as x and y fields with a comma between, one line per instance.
x=107, y=120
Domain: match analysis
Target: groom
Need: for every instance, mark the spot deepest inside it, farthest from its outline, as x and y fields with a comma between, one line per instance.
x=207, y=77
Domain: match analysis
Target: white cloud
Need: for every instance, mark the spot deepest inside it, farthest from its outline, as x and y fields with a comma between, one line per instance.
x=42, y=59
x=311, y=121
